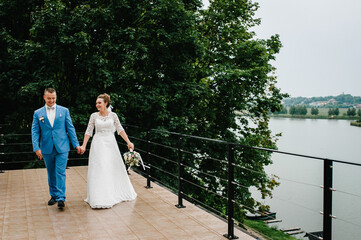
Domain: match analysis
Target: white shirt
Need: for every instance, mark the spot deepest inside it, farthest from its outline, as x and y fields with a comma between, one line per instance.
x=50, y=112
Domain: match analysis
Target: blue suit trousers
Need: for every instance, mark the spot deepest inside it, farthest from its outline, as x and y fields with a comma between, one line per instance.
x=56, y=167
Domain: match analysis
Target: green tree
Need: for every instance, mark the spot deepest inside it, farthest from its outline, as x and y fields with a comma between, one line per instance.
x=167, y=65
x=283, y=110
x=359, y=112
x=301, y=110
x=314, y=111
x=293, y=110
x=333, y=112
x=237, y=64
x=351, y=112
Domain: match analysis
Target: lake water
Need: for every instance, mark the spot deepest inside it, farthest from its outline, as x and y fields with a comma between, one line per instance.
x=298, y=200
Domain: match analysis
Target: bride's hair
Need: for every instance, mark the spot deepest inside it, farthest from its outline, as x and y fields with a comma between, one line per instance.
x=106, y=98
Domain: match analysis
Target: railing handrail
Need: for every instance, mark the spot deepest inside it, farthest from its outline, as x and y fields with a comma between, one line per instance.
x=250, y=147
x=228, y=143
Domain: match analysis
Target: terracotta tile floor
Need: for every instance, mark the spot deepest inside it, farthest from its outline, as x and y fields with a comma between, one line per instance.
x=24, y=213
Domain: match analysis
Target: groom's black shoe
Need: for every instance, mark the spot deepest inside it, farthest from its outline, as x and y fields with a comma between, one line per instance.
x=61, y=204
x=52, y=201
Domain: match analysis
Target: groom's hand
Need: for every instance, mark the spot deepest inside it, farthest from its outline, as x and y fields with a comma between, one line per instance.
x=38, y=153
x=78, y=150
x=82, y=150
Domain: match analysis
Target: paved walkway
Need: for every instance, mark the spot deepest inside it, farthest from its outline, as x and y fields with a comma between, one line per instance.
x=24, y=213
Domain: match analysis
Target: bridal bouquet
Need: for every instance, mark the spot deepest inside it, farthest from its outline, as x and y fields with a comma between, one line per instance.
x=133, y=158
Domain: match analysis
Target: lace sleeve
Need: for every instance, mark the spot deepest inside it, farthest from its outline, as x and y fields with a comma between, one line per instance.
x=117, y=124
x=91, y=124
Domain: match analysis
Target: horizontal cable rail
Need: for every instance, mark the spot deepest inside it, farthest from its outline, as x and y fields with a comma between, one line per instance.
x=204, y=188
x=139, y=139
x=163, y=158
x=15, y=153
x=162, y=145
x=347, y=221
x=300, y=155
x=205, y=205
x=207, y=174
x=163, y=170
x=347, y=193
x=11, y=144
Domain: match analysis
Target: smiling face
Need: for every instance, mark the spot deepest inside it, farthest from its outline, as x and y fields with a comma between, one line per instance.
x=50, y=98
x=100, y=104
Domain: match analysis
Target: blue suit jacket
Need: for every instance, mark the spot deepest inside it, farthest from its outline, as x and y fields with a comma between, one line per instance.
x=45, y=137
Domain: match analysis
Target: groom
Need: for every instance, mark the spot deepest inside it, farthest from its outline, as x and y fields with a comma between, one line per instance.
x=50, y=127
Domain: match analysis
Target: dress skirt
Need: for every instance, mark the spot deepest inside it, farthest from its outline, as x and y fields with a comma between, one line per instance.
x=108, y=180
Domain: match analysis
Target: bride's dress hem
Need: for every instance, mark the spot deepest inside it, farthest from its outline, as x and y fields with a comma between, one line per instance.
x=94, y=206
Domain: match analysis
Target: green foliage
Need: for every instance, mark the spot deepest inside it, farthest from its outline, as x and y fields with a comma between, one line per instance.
x=269, y=233
x=298, y=110
x=292, y=110
x=359, y=112
x=351, y=112
x=166, y=64
x=314, y=111
x=282, y=111
x=333, y=112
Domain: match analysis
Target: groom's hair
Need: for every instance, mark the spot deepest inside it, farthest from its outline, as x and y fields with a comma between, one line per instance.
x=49, y=90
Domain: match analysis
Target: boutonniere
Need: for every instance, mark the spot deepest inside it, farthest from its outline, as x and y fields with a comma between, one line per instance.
x=41, y=118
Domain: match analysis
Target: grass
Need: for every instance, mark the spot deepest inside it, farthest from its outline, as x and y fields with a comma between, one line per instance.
x=266, y=231
x=357, y=124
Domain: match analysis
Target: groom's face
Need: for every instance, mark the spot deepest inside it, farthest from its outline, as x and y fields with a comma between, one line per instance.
x=50, y=98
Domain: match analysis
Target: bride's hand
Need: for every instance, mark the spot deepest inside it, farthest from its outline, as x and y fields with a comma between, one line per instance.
x=82, y=150
x=131, y=146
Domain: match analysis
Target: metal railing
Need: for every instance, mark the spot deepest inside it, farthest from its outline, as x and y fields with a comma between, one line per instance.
x=177, y=175
x=327, y=178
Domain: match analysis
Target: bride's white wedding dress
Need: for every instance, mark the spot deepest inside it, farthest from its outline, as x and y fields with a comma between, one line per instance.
x=108, y=181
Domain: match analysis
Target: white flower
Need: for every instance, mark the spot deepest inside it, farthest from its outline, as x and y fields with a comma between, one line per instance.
x=133, y=159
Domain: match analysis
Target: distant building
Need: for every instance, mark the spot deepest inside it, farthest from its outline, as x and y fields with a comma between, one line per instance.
x=332, y=101
x=318, y=104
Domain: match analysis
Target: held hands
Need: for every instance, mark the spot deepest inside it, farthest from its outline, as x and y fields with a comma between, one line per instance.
x=131, y=146
x=39, y=154
x=82, y=149
x=78, y=150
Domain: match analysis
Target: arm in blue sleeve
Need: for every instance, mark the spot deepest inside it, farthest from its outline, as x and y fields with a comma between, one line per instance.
x=35, y=133
x=71, y=130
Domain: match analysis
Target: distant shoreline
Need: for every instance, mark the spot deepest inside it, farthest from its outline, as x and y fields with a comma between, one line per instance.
x=314, y=117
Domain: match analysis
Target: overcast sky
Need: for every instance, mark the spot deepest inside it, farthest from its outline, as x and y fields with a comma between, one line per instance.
x=321, y=53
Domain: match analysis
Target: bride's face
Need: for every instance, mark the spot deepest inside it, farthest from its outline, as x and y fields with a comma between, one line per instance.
x=100, y=104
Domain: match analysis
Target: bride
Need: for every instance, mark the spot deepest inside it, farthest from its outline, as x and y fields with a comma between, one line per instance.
x=108, y=181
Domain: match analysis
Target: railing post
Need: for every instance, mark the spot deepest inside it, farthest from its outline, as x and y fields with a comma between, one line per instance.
x=327, y=199
x=148, y=161
x=2, y=143
x=230, y=208
x=180, y=174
